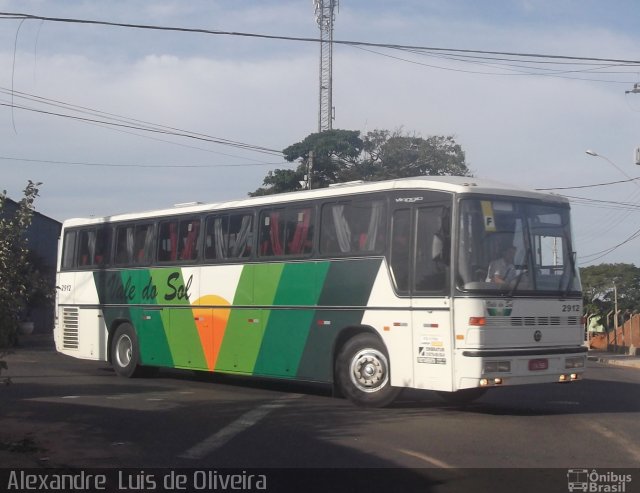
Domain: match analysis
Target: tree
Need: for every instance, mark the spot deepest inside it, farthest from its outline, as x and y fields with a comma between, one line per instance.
x=394, y=155
x=333, y=152
x=342, y=155
x=598, y=287
x=18, y=278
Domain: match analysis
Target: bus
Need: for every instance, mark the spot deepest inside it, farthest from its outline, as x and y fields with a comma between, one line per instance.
x=368, y=287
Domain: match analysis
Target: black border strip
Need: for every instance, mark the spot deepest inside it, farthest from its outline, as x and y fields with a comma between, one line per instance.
x=523, y=352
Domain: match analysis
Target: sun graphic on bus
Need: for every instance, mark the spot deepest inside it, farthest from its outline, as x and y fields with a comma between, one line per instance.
x=211, y=315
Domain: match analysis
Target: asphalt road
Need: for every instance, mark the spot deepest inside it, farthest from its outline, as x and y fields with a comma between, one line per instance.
x=63, y=412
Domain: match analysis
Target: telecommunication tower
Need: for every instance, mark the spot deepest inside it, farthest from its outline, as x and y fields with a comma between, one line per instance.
x=325, y=15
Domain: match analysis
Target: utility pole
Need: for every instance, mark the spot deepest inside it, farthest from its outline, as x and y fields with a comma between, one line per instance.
x=309, y=169
x=615, y=315
x=635, y=90
x=325, y=15
x=306, y=183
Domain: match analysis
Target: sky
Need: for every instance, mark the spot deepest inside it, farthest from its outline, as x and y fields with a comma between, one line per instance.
x=518, y=122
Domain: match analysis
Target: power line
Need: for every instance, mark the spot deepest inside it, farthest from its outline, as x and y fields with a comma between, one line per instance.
x=603, y=253
x=506, y=69
x=22, y=16
x=609, y=203
x=160, y=130
x=93, y=111
x=135, y=123
x=114, y=165
x=589, y=186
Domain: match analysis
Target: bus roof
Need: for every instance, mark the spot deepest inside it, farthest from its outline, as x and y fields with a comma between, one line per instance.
x=452, y=184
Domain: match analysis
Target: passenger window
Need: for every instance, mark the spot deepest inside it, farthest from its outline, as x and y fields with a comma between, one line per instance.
x=352, y=227
x=432, y=249
x=68, y=250
x=93, y=247
x=400, y=258
x=229, y=236
x=286, y=232
x=133, y=244
x=178, y=240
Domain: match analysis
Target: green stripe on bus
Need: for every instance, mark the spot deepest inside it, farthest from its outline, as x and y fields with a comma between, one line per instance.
x=246, y=326
x=288, y=328
x=348, y=284
x=179, y=325
x=274, y=328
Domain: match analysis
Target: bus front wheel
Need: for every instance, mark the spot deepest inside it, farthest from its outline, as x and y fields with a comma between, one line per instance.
x=125, y=357
x=362, y=372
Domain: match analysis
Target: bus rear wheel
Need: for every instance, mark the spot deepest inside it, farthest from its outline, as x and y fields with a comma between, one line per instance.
x=362, y=372
x=125, y=352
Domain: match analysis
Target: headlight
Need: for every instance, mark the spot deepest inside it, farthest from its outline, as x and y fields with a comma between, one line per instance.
x=496, y=367
x=577, y=362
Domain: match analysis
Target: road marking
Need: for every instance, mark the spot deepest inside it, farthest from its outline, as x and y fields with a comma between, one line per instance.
x=244, y=422
x=430, y=460
x=633, y=450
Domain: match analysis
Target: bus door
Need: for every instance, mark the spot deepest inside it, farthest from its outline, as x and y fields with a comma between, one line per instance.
x=427, y=284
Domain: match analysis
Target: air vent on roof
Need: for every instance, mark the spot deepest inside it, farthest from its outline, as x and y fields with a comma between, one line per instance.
x=187, y=204
x=354, y=182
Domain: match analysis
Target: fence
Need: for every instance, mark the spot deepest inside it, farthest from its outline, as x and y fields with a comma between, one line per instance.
x=626, y=339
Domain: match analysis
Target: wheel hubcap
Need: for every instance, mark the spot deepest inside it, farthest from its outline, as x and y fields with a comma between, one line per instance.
x=124, y=351
x=369, y=370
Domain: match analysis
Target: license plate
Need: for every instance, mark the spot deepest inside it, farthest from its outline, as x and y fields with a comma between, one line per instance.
x=538, y=364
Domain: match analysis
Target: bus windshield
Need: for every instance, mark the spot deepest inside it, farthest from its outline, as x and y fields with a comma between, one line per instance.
x=515, y=247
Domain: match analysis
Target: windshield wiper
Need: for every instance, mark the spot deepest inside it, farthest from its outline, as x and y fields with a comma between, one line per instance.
x=529, y=262
x=517, y=281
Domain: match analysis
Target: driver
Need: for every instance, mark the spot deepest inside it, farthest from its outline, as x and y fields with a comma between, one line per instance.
x=502, y=270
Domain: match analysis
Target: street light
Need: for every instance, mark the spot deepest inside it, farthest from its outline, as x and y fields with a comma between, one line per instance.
x=595, y=154
x=635, y=90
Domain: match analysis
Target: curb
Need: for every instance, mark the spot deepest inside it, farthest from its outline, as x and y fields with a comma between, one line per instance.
x=629, y=362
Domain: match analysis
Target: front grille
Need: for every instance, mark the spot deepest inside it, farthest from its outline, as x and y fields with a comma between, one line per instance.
x=531, y=321
x=70, y=328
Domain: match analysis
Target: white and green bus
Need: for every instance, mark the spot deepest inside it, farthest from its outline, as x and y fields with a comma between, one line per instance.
x=372, y=287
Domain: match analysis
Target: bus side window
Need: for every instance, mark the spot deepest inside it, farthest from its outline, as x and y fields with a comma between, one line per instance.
x=189, y=236
x=328, y=234
x=168, y=241
x=271, y=229
x=352, y=227
x=400, y=246
x=229, y=236
x=286, y=232
x=142, y=247
x=124, y=245
x=368, y=218
x=300, y=232
x=432, y=249
x=86, y=244
x=68, y=250
x=102, y=251
x=337, y=235
x=93, y=247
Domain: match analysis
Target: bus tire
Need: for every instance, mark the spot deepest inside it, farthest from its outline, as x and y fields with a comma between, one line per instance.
x=362, y=372
x=125, y=352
